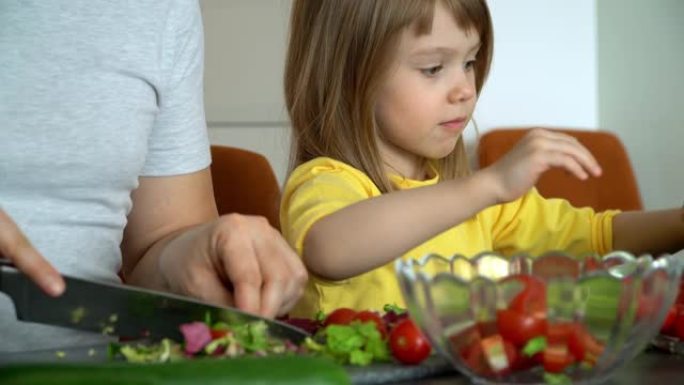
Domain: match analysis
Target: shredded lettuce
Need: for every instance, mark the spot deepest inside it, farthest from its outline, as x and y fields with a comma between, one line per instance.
x=166, y=351
x=356, y=344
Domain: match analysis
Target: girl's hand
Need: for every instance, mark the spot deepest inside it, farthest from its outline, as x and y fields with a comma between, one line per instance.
x=16, y=247
x=540, y=150
x=236, y=260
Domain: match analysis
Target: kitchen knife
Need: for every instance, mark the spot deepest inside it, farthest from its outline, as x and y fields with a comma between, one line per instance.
x=121, y=310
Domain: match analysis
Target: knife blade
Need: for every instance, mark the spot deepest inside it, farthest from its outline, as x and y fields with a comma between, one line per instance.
x=121, y=310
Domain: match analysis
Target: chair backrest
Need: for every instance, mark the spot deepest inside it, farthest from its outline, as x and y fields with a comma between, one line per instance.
x=245, y=183
x=616, y=188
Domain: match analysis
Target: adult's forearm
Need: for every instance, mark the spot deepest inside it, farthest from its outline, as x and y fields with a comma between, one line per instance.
x=149, y=272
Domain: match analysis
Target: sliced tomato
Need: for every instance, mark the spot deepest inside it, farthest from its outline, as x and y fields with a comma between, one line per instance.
x=518, y=327
x=524, y=362
x=474, y=358
x=491, y=355
x=532, y=298
x=368, y=316
x=583, y=346
x=557, y=358
x=559, y=333
x=408, y=344
x=218, y=333
x=499, y=353
x=341, y=316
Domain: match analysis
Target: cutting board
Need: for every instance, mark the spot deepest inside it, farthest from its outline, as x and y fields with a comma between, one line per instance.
x=375, y=374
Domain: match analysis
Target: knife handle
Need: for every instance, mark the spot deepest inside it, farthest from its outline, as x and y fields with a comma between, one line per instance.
x=6, y=262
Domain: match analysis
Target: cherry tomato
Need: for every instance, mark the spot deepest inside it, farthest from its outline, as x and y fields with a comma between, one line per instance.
x=680, y=294
x=407, y=343
x=367, y=316
x=341, y=316
x=668, y=324
x=592, y=264
x=679, y=325
x=518, y=327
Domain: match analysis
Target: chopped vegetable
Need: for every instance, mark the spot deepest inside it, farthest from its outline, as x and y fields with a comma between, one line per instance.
x=534, y=346
x=78, y=314
x=196, y=335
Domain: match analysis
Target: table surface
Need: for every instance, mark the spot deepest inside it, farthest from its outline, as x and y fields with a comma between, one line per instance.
x=650, y=367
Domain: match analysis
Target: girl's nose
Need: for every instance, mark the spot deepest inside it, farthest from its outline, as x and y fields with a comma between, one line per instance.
x=463, y=89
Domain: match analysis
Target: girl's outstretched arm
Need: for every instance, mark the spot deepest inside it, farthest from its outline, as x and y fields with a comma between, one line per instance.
x=652, y=232
x=374, y=232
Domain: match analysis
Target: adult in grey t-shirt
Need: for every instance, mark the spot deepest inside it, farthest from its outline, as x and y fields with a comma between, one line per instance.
x=98, y=98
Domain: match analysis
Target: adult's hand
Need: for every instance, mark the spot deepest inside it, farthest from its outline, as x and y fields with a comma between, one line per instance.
x=17, y=248
x=175, y=241
x=236, y=260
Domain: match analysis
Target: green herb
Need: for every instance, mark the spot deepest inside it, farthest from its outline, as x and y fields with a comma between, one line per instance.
x=220, y=326
x=557, y=379
x=320, y=316
x=394, y=308
x=534, y=346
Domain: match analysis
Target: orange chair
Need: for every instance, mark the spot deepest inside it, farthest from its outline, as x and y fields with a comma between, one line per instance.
x=245, y=183
x=616, y=188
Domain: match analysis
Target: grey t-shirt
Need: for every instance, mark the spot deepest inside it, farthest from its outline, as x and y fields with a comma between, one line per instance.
x=93, y=94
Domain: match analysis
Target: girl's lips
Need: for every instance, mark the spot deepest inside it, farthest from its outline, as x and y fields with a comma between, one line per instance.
x=456, y=124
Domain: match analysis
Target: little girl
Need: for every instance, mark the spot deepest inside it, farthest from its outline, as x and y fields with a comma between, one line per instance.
x=379, y=92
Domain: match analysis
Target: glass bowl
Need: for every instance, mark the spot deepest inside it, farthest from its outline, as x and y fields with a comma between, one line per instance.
x=538, y=320
x=671, y=336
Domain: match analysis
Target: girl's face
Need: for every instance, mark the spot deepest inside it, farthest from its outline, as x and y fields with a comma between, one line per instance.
x=428, y=96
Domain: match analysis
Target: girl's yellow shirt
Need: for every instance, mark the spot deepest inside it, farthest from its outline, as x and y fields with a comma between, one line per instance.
x=531, y=224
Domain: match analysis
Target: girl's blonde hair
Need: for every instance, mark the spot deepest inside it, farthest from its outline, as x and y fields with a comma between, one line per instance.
x=338, y=55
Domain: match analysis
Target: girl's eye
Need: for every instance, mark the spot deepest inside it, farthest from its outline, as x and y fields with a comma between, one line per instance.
x=470, y=64
x=432, y=71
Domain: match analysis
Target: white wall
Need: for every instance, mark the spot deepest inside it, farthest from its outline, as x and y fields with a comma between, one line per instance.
x=244, y=55
x=544, y=70
x=641, y=88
